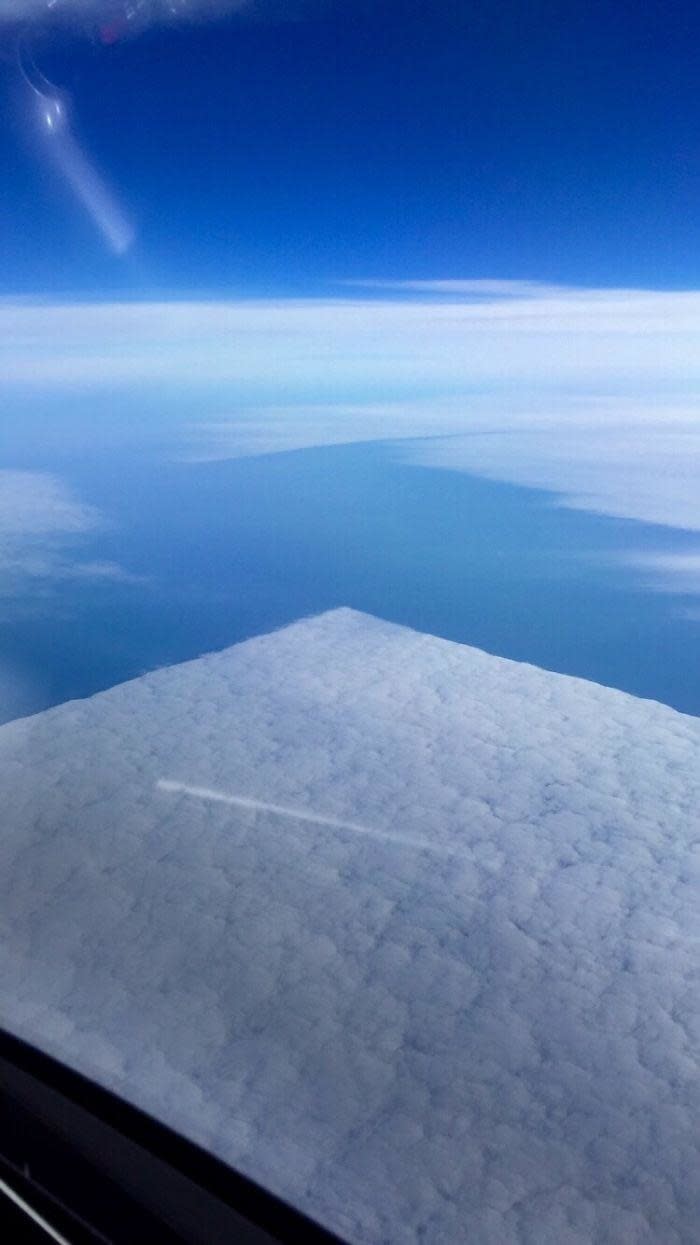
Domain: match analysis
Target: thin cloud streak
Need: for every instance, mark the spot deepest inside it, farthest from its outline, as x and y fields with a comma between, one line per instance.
x=296, y=814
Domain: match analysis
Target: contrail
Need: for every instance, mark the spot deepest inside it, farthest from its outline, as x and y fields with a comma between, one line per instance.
x=298, y=814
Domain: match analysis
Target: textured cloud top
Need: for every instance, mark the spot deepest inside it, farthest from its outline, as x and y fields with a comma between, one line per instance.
x=407, y=931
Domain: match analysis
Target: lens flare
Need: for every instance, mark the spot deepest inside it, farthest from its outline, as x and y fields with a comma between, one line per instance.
x=56, y=144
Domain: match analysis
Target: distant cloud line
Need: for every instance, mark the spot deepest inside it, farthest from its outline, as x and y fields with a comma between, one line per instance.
x=592, y=394
x=462, y=335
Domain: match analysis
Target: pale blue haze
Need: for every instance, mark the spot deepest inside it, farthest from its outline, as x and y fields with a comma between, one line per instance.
x=226, y=550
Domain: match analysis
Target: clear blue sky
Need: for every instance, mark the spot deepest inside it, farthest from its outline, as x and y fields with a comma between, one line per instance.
x=378, y=138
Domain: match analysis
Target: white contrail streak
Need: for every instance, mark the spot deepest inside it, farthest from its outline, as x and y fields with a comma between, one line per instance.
x=298, y=814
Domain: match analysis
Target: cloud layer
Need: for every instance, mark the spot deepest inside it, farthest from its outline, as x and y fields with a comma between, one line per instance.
x=216, y=895
x=641, y=469
x=577, y=339
x=593, y=394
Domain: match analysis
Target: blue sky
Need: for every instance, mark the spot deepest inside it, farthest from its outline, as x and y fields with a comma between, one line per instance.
x=467, y=232
x=395, y=140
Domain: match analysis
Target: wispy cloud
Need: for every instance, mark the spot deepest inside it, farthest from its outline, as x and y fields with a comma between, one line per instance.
x=35, y=503
x=42, y=528
x=670, y=572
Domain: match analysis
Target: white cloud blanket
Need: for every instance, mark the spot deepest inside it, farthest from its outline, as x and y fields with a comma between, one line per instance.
x=405, y=930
